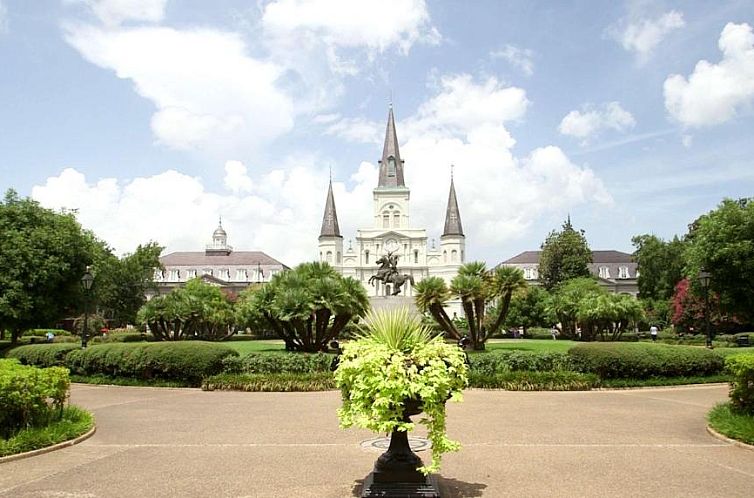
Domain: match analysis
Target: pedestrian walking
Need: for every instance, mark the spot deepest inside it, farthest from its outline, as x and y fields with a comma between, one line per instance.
x=653, y=333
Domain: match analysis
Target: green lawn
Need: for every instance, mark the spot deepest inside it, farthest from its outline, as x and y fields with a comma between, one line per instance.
x=246, y=347
x=560, y=346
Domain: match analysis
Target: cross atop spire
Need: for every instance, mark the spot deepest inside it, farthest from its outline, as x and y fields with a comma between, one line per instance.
x=330, y=226
x=452, y=215
x=391, y=165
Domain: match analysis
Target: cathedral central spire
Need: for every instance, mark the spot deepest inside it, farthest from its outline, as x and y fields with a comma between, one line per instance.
x=391, y=164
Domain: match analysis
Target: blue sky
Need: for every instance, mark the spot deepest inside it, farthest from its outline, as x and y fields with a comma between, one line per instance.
x=153, y=118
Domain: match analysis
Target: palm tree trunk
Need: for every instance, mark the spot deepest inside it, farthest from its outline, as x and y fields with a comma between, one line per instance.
x=503, y=312
x=442, y=318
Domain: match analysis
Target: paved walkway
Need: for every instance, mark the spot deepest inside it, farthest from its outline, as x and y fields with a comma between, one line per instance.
x=185, y=442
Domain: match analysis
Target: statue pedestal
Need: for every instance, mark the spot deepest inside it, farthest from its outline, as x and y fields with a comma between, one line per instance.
x=392, y=302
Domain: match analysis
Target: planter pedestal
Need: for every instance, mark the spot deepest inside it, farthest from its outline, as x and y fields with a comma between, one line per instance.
x=395, y=473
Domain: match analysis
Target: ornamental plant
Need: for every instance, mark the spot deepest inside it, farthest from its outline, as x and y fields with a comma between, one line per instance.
x=393, y=360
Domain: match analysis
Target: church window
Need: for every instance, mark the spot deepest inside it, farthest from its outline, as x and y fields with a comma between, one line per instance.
x=462, y=256
x=454, y=255
x=338, y=260
x=329, y=256
x=397, y=220
x=385, y=220
x=391, y=166
x=366, y=257
x=445, y=256
x=416, y=256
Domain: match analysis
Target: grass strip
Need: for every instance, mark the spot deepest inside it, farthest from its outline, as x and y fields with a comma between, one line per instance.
x=321, y=381
x=535, y=381
x=128, y=381
x=74, y=422
x=733, y=425
x=664, y=381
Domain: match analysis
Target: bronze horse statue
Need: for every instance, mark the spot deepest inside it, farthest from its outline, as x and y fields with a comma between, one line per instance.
x=388, y=273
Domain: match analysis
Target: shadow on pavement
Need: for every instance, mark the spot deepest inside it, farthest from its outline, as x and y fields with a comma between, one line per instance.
x=450, y=488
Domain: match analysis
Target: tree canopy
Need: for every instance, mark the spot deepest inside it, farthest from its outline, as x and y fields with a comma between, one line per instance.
x=660, y=265
x=565, y=255
x=43, y=255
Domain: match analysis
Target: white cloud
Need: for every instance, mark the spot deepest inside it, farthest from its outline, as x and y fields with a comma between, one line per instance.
x=376, y=24
x=592, y=120
x=236, y=177
x=3, y=18
x=714, y=93
x=642, y=35
x=210, y=95
x=356, y=130
x=116, y=12
x=518, y=57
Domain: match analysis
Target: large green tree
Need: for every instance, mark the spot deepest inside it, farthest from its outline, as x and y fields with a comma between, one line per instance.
x=307, y=306
x=565, y=301
x=722, y=242
x=529, y=308
x=660, y=265
x=565, y=255
x=122, y=283
x=43, y=255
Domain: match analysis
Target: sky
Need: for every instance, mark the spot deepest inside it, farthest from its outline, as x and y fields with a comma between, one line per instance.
x=151, y=119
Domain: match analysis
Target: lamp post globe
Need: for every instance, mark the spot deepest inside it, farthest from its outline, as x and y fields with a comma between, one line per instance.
x=704, y=279
x=86, y=283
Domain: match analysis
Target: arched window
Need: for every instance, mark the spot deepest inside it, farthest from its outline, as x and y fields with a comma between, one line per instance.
x=329, y=256
x=338, y=257
x=366, y=257
x=385, y=220
x=396, y=220
x=453, y=255
x=445, y=256
x=416, y=256
x=391, y=166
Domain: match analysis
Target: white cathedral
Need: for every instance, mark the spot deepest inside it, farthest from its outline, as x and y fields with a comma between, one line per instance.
x=391, y=231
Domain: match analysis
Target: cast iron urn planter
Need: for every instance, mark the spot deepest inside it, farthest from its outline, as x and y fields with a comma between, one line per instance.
x=395, y=473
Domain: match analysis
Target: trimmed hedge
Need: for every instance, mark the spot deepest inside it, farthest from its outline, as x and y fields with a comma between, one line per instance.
x=644, y=360
x=30, y=396
x=282, y=362
x=278, y=382
x=187, y=361
x=501, y=361
x=535, y=381
x=42, y=355
x=741, y=367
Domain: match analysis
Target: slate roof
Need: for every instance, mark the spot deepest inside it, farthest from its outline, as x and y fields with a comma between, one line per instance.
x=236, y=258
x=391, y=149
x=452, y=214
x=330, y=227
x=604, y=257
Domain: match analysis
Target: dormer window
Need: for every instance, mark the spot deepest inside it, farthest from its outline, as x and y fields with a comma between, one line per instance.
x=604, y=272
x=391, y=166
x=623, y=272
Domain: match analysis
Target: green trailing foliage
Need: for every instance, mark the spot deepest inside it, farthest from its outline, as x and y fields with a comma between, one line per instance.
x=42, y=355
x=741, y=368
x=278, y=362
x=72, y=423
x=185, y=361
x=560, y=380
x=30, y=396
x=383, y=370
x=644, y=360
x=272, y=382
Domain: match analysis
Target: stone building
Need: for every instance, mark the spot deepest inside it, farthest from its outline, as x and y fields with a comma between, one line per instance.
x=219, y=264
x=615, y=271
x=391, y=230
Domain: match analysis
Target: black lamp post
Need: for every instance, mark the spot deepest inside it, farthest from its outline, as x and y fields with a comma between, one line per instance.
x=704, y=279
x=86, y=282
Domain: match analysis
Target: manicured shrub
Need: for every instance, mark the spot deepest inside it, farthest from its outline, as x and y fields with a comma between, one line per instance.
x=535, y=381
x=282, y=362
x=42, y=355
x=30, y=396
x=278, y=382
x=644, y=360
x=124, y=336
x=187, y=361
x=741, y=367
x=500, y=361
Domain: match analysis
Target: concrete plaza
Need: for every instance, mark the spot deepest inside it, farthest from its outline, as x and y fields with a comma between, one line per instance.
x=185, y=442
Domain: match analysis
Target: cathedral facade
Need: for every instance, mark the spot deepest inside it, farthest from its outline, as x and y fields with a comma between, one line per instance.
x=391, y=231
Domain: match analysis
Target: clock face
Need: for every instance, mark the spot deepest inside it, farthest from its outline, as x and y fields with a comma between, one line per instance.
x=391, y=245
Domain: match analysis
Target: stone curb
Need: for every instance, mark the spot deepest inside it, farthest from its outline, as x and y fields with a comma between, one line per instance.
x=48, y=449
x=677, y=386
x=734, y=442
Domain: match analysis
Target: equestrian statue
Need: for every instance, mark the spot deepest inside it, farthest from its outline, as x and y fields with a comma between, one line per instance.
x=388, y=273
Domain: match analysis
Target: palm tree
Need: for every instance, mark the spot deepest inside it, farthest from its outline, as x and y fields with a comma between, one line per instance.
x=505, y=281
x=431, y=296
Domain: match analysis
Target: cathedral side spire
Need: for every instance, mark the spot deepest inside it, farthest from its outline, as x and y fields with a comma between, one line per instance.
x=452, y=215
x=330, y=227
x=391, y=165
